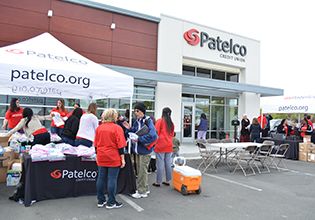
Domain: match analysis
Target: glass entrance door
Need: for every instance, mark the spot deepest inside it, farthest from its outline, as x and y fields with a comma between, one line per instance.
x=188, y=122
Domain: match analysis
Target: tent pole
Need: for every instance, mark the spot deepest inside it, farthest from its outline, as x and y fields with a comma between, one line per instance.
x=130, y=123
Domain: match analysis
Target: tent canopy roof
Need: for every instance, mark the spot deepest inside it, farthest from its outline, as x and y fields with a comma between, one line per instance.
x=43, y=66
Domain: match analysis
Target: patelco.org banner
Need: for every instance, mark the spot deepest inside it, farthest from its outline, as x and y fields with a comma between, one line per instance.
x=43, y=66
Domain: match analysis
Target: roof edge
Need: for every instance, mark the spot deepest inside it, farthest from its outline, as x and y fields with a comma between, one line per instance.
x=114, y=9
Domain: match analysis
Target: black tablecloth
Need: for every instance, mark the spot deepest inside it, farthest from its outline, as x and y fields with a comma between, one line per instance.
x=69, y=178
x=293, y=151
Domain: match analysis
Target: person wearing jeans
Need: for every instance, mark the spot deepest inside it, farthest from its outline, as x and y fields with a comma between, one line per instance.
x=109, y=146
x=164, y=148
x=142, y=146
x=111, y=173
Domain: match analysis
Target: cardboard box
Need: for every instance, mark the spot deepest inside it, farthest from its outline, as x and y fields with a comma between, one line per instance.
x=311, y=157
x=3, y=174
x=311, y=148
x=307, y=139
x=303, y=156
x=304, y=147
x=4, y=141
x=6, y=157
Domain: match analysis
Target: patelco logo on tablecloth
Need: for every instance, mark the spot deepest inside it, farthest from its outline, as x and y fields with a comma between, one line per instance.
x=56, y=174
x=78, y=175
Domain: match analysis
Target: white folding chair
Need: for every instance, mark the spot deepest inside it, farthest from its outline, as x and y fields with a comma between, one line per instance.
x=278, y=157
x=245, y=159
x=262, y=157
x=208, y=157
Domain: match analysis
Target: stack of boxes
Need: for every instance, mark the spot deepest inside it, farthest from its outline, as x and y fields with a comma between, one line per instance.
x=307, y=152
x=7, y=159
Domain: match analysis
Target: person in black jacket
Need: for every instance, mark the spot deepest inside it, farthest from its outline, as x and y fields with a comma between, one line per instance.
x=72, y=126
x=255, y=130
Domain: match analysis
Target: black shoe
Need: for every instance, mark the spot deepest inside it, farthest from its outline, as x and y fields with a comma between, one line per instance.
x=14, y=198
x=101, y=204
x=116, y=205
x=156, y=184
x=166, y=183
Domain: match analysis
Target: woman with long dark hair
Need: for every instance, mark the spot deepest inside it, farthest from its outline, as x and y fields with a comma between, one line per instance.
x=32, y=126
x=72, y=126
x=164, y=147
x=13, y=115
x=58, y=112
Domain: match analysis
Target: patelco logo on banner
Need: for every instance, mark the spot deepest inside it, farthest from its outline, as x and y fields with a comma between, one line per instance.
x=15, y=51
x=229, y=48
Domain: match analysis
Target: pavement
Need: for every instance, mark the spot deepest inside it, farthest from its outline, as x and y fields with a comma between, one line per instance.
x=288, y=194
x=189, y=151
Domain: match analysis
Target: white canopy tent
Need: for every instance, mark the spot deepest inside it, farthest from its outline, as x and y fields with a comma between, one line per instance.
x=43, y=66
x=288, y=104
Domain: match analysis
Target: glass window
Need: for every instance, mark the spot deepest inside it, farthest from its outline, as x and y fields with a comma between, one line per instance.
x=202, y=106
x=142, y=93
x=3, y=110
x=233, y=77
x=188, y=70
x=217, y=122
x=218, y=75
x=114, y=103
x=202, y=100
x=187, y=97
x=102, y=103
x=232, y=101
x=231, y=114
x=217, y=100
x=51, y=101
x=3, y=99
x=205, y=73
x=124, y=104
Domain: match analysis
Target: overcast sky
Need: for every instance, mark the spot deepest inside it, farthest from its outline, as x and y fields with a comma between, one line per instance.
x=285, y=29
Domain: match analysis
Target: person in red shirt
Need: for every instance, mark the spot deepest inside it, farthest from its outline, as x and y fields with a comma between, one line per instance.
x=262, y=120
x=109, y=145
x=164, y=147
x=13, y=115
x=61, y=112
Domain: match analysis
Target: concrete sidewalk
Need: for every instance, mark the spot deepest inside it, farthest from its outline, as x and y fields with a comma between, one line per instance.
x=189, y=151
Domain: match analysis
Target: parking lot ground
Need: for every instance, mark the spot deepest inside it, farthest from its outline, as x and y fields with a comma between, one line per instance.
x=276, y=195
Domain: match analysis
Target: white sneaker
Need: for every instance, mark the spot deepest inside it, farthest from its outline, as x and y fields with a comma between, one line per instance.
x=138, y=195
x=148, y=192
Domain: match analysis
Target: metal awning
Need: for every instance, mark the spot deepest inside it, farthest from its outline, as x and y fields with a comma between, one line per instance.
x=197, y=85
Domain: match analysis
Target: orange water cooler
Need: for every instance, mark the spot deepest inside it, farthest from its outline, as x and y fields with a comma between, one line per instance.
x=186, y=179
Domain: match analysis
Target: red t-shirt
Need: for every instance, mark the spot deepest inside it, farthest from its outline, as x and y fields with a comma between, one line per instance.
x=62, y=114
x=109, y=137
x=263, y=122
x=164, y=142
x=13, y=117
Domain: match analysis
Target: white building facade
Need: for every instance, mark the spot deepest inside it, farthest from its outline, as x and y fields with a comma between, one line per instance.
x=212, y=56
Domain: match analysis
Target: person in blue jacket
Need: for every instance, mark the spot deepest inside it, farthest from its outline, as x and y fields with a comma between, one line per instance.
x=142, y=146
x=202, y=127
